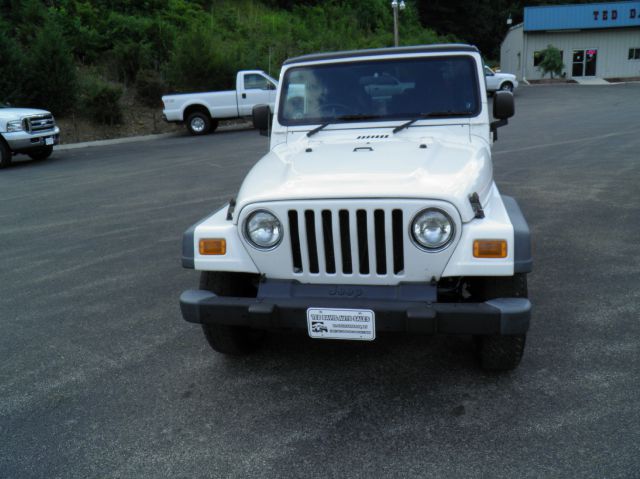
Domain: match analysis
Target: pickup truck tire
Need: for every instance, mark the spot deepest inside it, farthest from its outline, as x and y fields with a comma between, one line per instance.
x=5, y=154
x=42, y=153
x=506, y=86
x=198, y=123
x=502, y=353
x=231, y=340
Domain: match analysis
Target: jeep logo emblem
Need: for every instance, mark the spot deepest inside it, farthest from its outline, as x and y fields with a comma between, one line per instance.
x=346, y=292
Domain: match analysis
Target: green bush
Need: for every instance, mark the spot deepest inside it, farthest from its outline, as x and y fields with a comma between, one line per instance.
x=100, y=101
x=551, y=61
x=149, y=87
x=197, y=45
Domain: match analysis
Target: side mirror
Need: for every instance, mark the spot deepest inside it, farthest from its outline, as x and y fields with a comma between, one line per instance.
x=262, y=118
x=503, y=105
x=503, y=108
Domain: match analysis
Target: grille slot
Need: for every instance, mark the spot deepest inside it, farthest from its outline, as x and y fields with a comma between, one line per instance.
x=295, y=242
x=327, y=235
x=363, y=243
x=398, y=245
x=381, y=257
x=347, y=242
x=312, y=245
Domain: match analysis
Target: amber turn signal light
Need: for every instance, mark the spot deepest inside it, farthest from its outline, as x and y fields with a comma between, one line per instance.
x=490, y=248
x=215, y=246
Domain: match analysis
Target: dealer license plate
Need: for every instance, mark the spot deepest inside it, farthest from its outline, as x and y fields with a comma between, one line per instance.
x=48, y=141
x=354, y=324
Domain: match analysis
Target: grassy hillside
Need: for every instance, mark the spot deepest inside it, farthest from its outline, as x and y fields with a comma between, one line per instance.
x=79, y=57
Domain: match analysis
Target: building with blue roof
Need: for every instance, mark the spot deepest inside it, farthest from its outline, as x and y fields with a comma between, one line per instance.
x=596, y=40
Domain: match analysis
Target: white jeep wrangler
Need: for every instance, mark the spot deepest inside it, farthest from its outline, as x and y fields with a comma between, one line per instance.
x=375, y=210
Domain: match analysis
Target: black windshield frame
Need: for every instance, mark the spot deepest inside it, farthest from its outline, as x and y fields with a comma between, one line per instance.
x=472, y=89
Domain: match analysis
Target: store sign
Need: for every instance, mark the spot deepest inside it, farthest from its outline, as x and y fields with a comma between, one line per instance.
x=605, y=15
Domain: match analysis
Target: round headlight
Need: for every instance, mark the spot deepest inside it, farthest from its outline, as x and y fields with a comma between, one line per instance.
x=263, y=229
x=432, y=229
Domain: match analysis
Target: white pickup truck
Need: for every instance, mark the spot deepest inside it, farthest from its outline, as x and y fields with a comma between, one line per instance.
x=497, y=81
x=200, y=112
x=375, y=210
x=26, y=131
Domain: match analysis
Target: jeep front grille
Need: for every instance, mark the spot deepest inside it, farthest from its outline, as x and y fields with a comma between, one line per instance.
x=39, y=123
x=347, y=241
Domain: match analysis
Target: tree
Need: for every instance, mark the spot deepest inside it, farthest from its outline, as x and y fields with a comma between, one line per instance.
x=11, y=68
x=202, y=60
x=50, y=73
x=551, y=61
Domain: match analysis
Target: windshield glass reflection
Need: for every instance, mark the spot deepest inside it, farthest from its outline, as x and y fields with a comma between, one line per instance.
x=381, y=89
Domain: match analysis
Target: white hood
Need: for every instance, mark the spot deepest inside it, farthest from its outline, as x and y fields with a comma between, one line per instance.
x=393, y=167
x=19, y=113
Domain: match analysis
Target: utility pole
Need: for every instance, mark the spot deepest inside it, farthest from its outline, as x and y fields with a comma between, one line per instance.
x=395, y=6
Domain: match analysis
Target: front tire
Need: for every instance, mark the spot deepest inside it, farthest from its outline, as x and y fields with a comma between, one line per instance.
x=502, y=353
x=225, y=339
x=507, y=86
x=42, y=153
x=5, y=155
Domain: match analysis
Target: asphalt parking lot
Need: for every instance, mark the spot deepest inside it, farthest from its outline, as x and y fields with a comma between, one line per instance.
x=100, y=377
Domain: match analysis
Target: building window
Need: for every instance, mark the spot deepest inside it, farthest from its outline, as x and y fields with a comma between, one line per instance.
x=634, y=53
x=539, y=56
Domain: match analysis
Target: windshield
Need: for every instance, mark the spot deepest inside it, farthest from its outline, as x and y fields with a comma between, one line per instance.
x=380, y=89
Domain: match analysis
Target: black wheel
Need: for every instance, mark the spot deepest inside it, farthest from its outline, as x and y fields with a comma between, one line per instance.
x=41, y=153
x=5, y=155
x=198, y=123
x=214, y=125
x=502, y=353
x=506, y=86
x=233, y=340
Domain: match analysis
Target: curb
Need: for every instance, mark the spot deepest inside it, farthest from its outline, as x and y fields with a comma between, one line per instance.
x=133, y=139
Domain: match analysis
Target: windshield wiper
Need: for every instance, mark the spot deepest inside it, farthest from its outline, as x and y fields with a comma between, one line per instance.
x=432, y=114
x=317, y=129
x=343, y=118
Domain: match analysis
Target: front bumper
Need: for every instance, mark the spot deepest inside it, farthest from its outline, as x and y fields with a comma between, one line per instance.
x=404, y=308
x=20, y=141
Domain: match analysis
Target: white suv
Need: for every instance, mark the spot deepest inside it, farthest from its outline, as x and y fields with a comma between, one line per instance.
x=374, y=210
